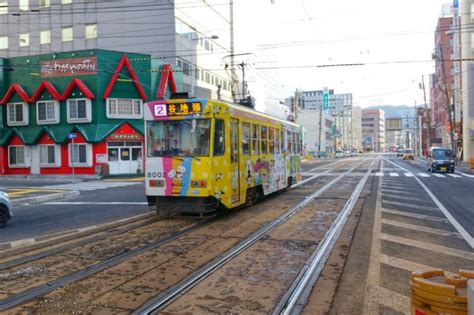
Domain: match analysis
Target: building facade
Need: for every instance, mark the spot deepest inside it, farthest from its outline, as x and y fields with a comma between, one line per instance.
x=373, y=130
x=78, y=112
x=171, y=31
x=357, y=128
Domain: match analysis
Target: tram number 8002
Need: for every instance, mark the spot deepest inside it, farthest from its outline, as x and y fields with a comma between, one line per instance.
x=156, y=175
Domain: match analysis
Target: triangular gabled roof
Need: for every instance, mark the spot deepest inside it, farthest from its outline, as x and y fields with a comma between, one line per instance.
x=81, y=86
x=166, y=76
x=15, y=87
x=126, y=62
x=50, y=88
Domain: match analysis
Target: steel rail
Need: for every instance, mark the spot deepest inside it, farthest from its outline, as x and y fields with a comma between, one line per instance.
x=296, y=297
x=36, y=292
x=163, y=299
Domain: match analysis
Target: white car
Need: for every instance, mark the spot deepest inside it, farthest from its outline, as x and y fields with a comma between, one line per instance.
x=339, y=153
x=5, y=209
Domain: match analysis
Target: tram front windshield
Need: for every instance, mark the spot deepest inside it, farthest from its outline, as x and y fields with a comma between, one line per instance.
x=178, y=137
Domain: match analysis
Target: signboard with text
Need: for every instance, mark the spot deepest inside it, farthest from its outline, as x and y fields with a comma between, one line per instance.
x=177, y=109
x=69, y=67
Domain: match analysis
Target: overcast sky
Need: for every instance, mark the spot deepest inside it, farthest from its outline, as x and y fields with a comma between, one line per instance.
x=394, y=39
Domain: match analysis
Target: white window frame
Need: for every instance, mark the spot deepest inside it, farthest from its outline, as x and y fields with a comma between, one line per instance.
x=57, y=155
x=88, y=162
x=67, y=34
x=45, y=37
x=3, y=7
x=113, y=108
x=15, y=122
x=88, y=105
x=90, y=31
x=50, y=120
x=26, y=157
x=24, y=40
x=3, y=42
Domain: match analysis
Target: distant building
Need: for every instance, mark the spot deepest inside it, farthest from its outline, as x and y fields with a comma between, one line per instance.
x=373, y=130
x=394, y=135
x=357, y=128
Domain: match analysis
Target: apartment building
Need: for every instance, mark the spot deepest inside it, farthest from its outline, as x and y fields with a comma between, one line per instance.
x=373, y=130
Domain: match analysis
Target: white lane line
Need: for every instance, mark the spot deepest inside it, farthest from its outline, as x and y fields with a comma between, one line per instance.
x=394, y=174
x=379, y=174
x=465, y=174
x=454, y=175
x=402, y=197
x=415, y=215
x=425, y=229
x=410, y=205
x=469, y=239
x=94, y=203
x=402, y=263
x=409, y=174
x=428, y=246
x=423, y=175
x=391, y=299
x=401, y=192
x=438, y=175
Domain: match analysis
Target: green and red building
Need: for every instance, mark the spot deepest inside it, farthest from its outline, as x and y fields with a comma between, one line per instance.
x=78, y=112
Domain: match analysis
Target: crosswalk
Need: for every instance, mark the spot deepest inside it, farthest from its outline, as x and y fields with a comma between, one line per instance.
x=92, y=185
x=399, y=174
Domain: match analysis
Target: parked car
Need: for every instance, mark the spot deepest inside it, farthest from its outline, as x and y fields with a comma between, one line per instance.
x=400, y=152
x=440, y=159
x=408, y=154
x=5, y=209
x=339, y=153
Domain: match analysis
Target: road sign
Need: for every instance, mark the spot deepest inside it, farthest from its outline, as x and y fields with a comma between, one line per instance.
x=325, y=100
x=72, y=135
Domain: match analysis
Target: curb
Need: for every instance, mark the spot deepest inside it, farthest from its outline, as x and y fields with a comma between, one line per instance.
x=44, y=198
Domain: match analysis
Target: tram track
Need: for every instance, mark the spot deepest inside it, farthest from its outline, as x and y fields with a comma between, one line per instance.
x=35, y=292
x=294, y=294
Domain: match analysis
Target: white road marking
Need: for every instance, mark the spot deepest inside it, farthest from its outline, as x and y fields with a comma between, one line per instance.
x=379, y=174
x=411, y=205
x=454, y=175
x=438, y=175
x=423, y=175
x=469, y=239
x=402, y=263
x=394, y=174
x=425, y=229
x=415, y=215
x=402, y=197
x=388, y=298
x=409, y=174
x=465, y=174
x=428, y=246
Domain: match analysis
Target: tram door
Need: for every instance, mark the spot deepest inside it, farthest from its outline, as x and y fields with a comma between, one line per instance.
x=124, y=157
x=234, y=159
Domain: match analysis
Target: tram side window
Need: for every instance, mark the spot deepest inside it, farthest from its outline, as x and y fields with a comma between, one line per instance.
x=295, y=149
x=298, y=143
x=271, y=140
x=264, y=139
x=246, y=138
x=219, y=137
x=254, y=139
x=277, y=141
x=288, y=141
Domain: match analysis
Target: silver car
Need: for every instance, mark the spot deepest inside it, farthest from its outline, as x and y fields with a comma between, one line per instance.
x=5, y=209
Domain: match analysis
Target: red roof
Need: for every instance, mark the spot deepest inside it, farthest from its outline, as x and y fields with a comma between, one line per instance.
x=49, y=87
x=133, y=76
x=166, y=76
x=81, y=86
x=15, y=87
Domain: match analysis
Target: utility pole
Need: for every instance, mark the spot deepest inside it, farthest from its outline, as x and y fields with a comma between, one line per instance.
x=427, y=116
x=320, y=128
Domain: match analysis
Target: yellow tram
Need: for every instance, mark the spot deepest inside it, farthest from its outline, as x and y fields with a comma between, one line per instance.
x=202, y=154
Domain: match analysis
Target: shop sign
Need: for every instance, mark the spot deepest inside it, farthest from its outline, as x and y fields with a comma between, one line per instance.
x=68, y=67
x=125, y=136
x=177, y=109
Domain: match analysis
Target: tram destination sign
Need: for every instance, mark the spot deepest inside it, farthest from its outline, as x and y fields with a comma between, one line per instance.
x=177, y=109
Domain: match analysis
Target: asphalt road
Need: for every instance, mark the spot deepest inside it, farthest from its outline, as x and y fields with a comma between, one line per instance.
x=90, y=208
x=455, y=193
